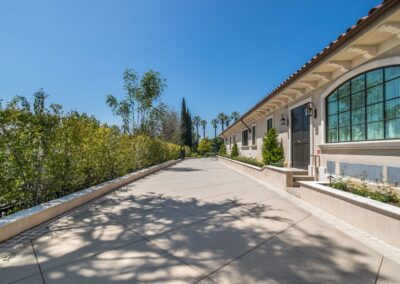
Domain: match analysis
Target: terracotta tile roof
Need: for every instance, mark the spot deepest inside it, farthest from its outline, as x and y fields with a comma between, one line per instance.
x=334, y=45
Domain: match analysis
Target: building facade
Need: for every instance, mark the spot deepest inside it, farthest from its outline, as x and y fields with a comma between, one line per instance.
x=340, y=112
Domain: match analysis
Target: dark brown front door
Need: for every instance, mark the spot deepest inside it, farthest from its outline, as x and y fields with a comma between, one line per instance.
x=300, y=138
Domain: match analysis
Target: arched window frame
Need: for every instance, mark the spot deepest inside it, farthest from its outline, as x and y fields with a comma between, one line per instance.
x=350, y=107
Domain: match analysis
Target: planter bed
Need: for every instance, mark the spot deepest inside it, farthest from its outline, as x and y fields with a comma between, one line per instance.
x=377, y=218
x=23, y=220
x=275, y=176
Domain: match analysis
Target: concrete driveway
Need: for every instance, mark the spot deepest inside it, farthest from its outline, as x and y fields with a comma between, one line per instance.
x=197, y=221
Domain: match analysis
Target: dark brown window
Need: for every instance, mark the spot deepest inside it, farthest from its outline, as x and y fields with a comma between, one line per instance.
x=245, y=137
x=253, y=135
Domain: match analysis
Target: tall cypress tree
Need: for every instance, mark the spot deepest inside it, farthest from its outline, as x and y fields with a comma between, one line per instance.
x=184, y=123
x=186, y=126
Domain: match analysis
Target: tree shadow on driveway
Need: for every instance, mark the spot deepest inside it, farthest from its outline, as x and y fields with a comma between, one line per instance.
x=152, y=238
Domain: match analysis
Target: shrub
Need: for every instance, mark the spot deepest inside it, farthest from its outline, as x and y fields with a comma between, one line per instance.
x=188, y=151
x=384, y=193
x=250, y=161
x=218, y=144
x=222, y=150
x=205, y=146
x=272, y=150
x=235, y=150
x=45, y=155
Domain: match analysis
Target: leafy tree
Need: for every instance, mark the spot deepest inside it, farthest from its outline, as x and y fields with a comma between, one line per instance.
x=220, y=146
x=272, y=150
x=235, y=150
x=126, y=107
x=214, y=124
x=142, y=100
x=235, y=115
x=203, y=124
x=205, y=146
x=170, y=126
x=45, y=153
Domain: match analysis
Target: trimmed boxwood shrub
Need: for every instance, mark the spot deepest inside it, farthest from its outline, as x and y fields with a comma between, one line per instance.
x=235, y=150
x=272, y=150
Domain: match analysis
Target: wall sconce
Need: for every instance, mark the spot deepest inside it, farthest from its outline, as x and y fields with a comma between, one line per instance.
x=284, y=119
x=311, y=111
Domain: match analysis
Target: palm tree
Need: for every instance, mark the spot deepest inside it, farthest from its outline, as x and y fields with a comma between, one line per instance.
x=227, y=121
x=214, y=124
x=197, y=120
x=235, y=115
x=221, y=118
x=203, y=123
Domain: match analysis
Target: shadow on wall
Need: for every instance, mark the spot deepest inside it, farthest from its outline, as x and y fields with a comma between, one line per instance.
x=74, y=249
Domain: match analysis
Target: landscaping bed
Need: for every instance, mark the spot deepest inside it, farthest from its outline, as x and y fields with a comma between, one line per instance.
x=358, y=207
x=379, y=191
x=246, y=160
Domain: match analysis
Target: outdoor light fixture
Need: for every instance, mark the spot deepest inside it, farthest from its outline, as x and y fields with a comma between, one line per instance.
x=284, y=119
x=311, y=111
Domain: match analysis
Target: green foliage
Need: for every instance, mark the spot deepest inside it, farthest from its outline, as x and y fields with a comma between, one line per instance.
x=247, y=160
x=223, y=118
x=235, y=150
x=219, y=145
x=205, y=146
x=235, y=116
x=186, y=126
x=384, y=192
x=141, y=109
x=272, y=150
x=45, y=154
x=214, y=124
x=222, y=151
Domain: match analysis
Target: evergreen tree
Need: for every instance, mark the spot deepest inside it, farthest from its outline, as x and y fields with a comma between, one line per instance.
x=272, y=150
x=222, y=149
x=184, y=123
x=186, y=126
x=235, y=150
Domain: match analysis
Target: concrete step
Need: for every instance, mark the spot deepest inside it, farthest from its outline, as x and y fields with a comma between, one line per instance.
x=300, y=172
x=297, y=178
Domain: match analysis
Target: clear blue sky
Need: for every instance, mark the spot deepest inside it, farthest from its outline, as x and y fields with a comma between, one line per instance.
x=221, y=55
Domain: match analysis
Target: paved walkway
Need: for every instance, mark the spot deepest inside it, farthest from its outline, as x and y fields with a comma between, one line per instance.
x=197, y=221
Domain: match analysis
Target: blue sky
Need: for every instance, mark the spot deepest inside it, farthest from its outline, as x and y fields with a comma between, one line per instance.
x=221, y=55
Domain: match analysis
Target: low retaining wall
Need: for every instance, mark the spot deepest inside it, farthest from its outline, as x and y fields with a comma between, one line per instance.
x=275, y=176
x=377, y=218
x=21, y=221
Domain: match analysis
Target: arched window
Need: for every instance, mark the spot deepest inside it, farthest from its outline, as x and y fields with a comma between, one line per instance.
x=367, y=107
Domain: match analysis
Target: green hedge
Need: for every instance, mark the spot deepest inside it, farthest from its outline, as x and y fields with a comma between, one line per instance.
x=45, y=155
x=246, y=160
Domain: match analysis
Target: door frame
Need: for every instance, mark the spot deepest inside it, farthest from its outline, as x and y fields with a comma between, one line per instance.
x=300, y=103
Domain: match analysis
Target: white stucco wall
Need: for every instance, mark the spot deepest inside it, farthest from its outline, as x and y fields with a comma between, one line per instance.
x=371, y=154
